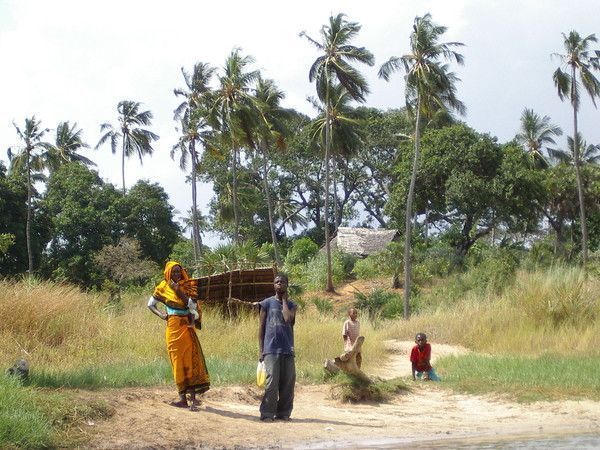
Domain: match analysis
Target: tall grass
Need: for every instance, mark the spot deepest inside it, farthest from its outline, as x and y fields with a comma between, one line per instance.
x=75, y=339
x=553, y=311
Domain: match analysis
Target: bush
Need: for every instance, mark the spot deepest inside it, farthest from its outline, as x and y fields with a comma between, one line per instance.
x=367, y=268
x=492, y=267
x=301, y=251
x=313, y=276
x=440, y=259
x=560, y=295
x=379, y=302
x=323, y=305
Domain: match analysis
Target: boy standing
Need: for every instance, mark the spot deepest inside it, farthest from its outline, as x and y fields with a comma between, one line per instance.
x=276, y=349
x=350, y=332
x=420, y=357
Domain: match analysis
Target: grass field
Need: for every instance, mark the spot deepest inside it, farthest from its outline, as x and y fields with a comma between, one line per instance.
x=537, y=339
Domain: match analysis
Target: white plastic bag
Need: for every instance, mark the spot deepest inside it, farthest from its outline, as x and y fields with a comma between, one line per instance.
x=261, y=374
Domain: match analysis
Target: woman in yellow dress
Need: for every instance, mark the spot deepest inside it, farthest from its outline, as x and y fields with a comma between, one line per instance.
x=183, y=346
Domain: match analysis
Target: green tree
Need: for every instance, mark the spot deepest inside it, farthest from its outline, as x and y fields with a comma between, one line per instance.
x=469, y=184
x=85, y=216
x=30, y=158
x=124, y=264
x=578, y=63
x=430, y=88
x=234, y=112
x=192, y=113
x=67, y=145
x=374, y=162
x=536, y=133
x=346, y=137
x=147, y=217
x=271, y=135
x=588, y=154
x=331, y=68
x=13, y=216
x=134, y=139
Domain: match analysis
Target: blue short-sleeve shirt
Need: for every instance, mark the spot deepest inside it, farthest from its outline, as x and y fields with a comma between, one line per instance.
x=279, y=335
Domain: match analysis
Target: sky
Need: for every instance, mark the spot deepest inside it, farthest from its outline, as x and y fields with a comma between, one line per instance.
x=75, y=60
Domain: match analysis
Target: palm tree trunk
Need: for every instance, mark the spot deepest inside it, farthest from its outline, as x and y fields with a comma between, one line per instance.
x=123, y=163
x=269, y=204
x=236, y=215
x=409, y=202
x=195, y=231
x=28, y=224
x=330, y=287
x=336, y=210
x=584, y=235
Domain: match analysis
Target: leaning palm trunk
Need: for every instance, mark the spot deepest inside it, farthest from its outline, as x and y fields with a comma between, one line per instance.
x=236, y=215
x=123, y=163
x=336, y=210
x=269, y=204
x=330, y=287
x=28, y=224
x=195, y=229
x=409, y=202
x=584, y=236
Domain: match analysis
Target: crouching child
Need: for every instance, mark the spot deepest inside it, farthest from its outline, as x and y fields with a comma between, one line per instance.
x=420, y=357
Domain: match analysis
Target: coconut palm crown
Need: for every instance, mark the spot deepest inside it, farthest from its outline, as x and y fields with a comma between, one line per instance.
x=134, y=139
x=535, y=134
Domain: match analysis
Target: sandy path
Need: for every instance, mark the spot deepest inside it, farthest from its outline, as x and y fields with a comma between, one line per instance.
x=229, y=417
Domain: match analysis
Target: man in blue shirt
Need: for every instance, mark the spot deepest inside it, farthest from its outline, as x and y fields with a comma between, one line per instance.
x=276, y=349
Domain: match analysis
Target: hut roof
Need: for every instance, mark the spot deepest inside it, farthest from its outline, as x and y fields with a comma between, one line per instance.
x=362, y=241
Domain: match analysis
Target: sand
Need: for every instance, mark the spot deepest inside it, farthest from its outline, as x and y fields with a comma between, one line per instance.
x=427, y=416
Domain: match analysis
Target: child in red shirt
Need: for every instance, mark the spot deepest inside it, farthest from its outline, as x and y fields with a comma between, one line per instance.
x=420, y=357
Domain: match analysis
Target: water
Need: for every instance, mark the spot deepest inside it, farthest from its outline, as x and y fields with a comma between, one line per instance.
x=577, y=441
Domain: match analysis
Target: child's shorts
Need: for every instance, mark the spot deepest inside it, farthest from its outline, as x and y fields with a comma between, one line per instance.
x=433, y=376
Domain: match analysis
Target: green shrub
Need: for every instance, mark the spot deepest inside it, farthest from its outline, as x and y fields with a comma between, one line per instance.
x=491, y=268
x=313, y=276
x=439, y=259
x=379, y=302
x=301, y=251
x=560, y=295
x=323, y=305
x=367, y=268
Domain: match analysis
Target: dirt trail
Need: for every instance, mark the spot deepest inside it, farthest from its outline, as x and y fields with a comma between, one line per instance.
x=228, y=417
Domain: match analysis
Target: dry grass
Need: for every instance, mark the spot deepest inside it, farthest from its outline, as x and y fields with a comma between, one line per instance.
x=60, y=330
x=554, y=311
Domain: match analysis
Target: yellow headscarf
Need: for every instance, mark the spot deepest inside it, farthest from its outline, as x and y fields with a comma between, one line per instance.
x=165, y=293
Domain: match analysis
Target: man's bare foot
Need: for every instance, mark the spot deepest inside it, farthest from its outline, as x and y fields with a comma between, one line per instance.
x=194, y=405
x=179, y=404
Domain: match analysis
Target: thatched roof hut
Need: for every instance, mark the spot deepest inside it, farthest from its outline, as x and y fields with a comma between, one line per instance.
x=363, y=241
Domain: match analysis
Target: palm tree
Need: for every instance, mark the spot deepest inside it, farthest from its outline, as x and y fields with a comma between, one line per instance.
x=68, y=143
x=271, y=133
x=536, y=133
x=346, y=136
x=194, y=128
x=430, y=87
x=134, y=140
x=233, y=110
x=31, y=135
x=578, y=63
x=333, y=67
x=588, y=154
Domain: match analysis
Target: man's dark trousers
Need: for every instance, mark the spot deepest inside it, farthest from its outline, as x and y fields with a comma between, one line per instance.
x=278, y=400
